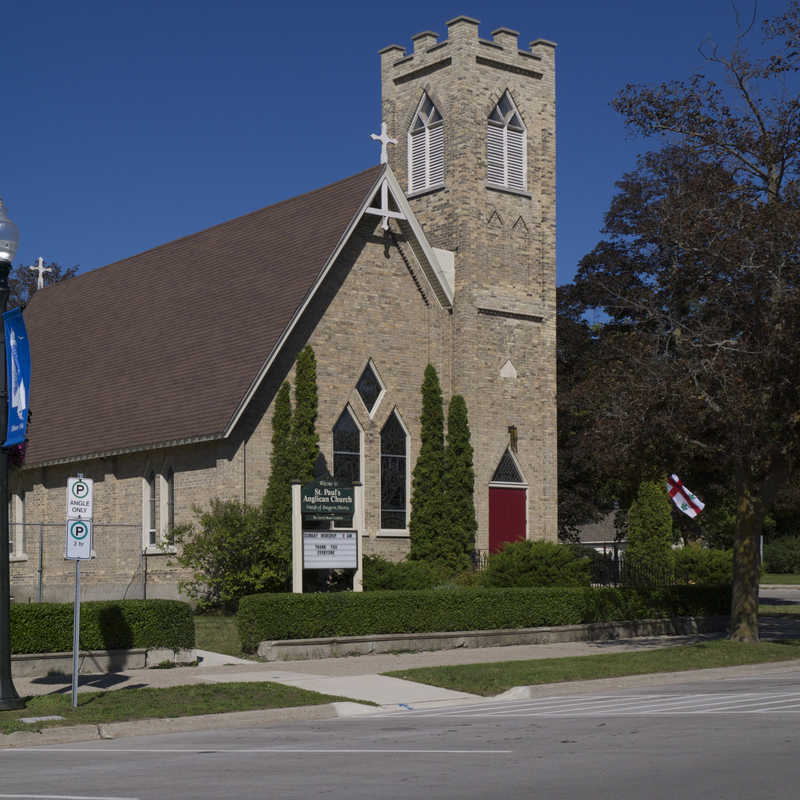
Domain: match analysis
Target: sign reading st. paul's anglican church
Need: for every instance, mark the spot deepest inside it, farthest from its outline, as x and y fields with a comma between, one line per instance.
x=328, y=500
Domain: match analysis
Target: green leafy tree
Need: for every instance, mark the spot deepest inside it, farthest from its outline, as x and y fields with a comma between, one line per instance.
x=698, y=279
x=305, y=441
x=228, y=553
x=648, y=549
x=459, y=489
x=429, y=520
x=277, y=504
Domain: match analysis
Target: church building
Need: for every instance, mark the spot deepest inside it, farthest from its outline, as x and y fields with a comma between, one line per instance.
x=159, y=384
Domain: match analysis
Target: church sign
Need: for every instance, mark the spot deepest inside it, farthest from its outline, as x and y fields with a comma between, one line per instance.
x=327, y=500
x=330, y=550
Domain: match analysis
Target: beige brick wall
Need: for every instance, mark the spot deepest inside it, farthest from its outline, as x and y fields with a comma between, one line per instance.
x=504, y=244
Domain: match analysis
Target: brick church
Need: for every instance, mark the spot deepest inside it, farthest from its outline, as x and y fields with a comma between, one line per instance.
x=445, y=254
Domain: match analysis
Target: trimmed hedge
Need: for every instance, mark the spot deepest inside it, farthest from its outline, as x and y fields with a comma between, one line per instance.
x=105, y=625
x=263, y=617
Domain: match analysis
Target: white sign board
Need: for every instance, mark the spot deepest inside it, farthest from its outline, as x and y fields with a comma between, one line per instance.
x=330, y=550
x=80, y=498
x=79, y=539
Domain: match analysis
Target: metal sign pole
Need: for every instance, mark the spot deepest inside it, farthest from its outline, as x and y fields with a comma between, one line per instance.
x=76, y=629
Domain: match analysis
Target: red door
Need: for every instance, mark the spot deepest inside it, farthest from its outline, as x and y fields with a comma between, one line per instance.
x=506, y=516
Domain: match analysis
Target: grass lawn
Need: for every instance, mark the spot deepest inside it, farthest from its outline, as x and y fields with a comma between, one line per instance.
x=178, y=701
x=773, y=577
x=218, y=633
x=778, y=610
x=492, y=679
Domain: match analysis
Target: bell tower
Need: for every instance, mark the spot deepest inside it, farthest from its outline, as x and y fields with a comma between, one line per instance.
x=475, y=124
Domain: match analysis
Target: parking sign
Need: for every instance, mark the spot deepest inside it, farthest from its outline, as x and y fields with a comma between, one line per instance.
x=79, y=539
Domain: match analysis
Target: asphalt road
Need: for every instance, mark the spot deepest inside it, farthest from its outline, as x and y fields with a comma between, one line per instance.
x=730, y=737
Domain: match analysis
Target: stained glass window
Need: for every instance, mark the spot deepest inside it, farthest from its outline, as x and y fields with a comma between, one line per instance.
x=346, y=449
x=393, y=474
x=507, y=471
x=369, y=387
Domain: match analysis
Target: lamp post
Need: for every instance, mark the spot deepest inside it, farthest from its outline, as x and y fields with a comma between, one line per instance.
x=9, y=238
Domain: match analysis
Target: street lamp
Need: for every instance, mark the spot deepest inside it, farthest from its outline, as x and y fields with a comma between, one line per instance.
x=9, y=239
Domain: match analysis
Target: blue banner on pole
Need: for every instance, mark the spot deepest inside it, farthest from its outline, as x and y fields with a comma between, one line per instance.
x=18, y=373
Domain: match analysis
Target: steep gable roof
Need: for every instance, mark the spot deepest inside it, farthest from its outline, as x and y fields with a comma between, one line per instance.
x=129, y=356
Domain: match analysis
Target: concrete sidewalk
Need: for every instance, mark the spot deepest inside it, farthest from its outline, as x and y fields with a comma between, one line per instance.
x=355, y=677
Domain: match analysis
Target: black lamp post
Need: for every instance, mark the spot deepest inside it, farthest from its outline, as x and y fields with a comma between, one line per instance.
x=9, y=239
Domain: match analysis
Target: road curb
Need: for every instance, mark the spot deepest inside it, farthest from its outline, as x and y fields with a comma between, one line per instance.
x=201, y=722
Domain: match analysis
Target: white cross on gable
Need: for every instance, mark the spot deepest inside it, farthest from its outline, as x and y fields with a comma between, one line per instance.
x=384, y=211
x=41, y=269
x=384, y=139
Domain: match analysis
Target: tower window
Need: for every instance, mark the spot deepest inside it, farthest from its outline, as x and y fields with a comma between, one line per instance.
x=346, y=449
x=426, y=147
x=394, y=479
x=505, y=146
x=507, y=470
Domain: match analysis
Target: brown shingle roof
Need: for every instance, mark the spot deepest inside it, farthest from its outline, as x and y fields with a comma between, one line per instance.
x=162, y=347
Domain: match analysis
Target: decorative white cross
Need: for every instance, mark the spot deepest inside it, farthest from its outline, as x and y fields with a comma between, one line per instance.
x=384, y=139
x=41, y=269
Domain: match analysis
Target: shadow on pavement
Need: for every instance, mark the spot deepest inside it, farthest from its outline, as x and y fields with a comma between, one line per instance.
x=109, y=681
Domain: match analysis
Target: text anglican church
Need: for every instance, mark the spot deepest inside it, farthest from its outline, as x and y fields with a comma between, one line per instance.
x=444, y=253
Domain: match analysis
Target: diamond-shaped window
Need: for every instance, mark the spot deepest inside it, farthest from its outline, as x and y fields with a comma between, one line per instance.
x=369, y=387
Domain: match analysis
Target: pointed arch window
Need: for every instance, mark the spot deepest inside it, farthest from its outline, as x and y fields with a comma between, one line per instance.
x=346, y=449
x=505, y=146
x=426, y=147
x=507, y=470
x=394, y=474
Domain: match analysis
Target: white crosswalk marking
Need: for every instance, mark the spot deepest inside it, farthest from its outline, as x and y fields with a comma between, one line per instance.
x=767, y=702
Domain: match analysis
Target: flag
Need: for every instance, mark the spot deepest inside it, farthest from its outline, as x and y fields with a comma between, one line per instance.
x=18, y=376
x=690, y=504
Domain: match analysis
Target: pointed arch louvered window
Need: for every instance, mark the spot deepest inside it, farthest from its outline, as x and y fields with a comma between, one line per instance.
x=505, y=146
x=426, y=147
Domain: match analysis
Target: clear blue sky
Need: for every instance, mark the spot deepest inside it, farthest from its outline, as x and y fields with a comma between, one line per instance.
x=126, y=125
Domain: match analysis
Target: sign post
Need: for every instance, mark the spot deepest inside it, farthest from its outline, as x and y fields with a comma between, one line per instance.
x=80, y=506
x=331, y=501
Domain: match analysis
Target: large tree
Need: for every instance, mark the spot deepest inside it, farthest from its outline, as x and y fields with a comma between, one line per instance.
x=699, y=280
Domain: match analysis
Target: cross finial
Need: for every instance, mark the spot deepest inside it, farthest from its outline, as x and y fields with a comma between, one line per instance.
x=384, y=140
x=41, y=269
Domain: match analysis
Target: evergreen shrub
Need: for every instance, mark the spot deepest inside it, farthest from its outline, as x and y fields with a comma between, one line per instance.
x=105, y=625
x=380, y=574
x=536, y=563
x=782, y=555
x=703, y=566
x=648, y=549
x=300, y=616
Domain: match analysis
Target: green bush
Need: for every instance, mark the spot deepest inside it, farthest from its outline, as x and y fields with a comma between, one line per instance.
x=704, y=566
x=648, y=549
x=536, y=563
x=112, y=625
x=782, y=555
x=301, y=616
x=381, y=574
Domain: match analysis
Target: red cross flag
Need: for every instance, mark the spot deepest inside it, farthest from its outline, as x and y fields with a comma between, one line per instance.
x=690, y=504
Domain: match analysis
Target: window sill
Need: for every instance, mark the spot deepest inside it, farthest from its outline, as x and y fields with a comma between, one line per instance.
x=495, y=188
x=394, y=533
x=155, y=550
x=17, y=557
x=428, y=190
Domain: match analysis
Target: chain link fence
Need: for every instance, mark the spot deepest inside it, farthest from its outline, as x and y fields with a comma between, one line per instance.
x=120, y=567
